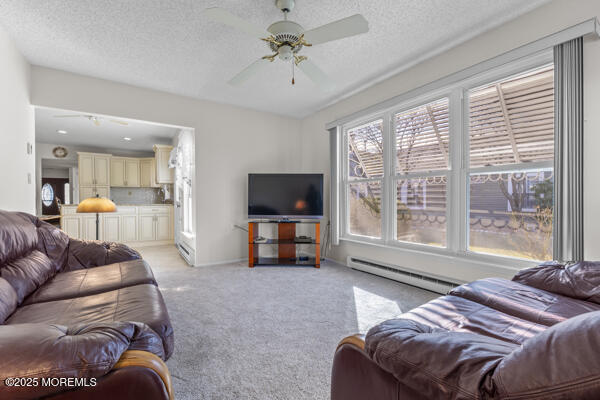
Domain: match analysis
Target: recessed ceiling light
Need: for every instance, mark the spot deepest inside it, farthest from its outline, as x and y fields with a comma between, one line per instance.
x=127, y=138
x=62, y=132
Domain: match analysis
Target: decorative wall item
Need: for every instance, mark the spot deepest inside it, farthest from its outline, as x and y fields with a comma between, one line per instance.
x=60, y=152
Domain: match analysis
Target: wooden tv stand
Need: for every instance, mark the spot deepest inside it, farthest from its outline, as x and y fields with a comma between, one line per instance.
x=286, y=244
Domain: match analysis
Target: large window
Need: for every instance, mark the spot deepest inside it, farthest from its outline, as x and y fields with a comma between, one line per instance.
x=511, y=152
x=364, y=179
x=469, y=171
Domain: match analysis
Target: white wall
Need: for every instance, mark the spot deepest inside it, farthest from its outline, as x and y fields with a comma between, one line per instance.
x=16, y=130
x=543, y=21
x=230, y=142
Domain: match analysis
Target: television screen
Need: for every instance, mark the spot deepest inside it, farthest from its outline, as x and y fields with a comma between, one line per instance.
x=285, y=195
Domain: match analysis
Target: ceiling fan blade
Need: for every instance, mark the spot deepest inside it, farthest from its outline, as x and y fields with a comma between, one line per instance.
x=247, y=72
x=316, y=75
x=340, y=29
x=116, y=121
x=68, y=116
x=225, y=17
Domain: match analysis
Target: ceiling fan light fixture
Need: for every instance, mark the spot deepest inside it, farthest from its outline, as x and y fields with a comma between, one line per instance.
x=285, y=53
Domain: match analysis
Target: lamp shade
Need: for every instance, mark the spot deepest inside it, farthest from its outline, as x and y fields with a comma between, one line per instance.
x=96, y=205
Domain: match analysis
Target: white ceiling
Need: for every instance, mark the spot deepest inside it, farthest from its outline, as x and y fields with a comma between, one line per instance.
x=170, y=45
x=109, y=135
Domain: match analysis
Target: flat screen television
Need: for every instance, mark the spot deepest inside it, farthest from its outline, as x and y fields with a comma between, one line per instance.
x=285, y=196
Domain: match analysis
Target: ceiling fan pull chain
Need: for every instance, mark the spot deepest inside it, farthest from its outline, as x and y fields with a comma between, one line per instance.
x=293, y=76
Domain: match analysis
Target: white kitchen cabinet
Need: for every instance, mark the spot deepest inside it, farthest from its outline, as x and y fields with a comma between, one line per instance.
x=102, y=169
x=117, y=171
x=124, y=172
x=163, y=227
x=88, y=227
x=86, y=169
x=147, y=173
x=130, y=224
x=164, y=174
x=94, y=175
x=146, y=227
x=129, y=230
x=112, y=227
x=71, y=226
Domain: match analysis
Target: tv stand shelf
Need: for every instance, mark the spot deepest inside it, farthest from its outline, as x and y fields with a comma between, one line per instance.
x=286, y=245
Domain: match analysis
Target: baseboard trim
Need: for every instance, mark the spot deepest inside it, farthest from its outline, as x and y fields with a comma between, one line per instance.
x=233, y=261
x=149, y=243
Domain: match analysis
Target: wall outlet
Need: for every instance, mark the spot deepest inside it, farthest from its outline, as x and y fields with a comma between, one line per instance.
x=29, y=148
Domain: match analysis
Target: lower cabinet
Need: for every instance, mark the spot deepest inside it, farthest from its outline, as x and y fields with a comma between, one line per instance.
x=128, y=224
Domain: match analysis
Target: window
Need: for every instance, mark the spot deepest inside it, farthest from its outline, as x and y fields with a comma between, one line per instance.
x=469, y=170
x=47, y=195
x=364, y=179
x=511, y=125
x=422, y=139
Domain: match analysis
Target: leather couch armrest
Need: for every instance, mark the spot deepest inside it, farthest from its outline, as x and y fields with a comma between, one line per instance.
x=561, y=362
x=38, y=351
x=87, y=254
x=138, y=358
x=356, y=340
x=580, y=280
x=435, y=362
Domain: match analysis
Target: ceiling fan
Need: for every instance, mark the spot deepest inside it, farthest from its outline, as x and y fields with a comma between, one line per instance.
x=96, y=120
x=287, y=38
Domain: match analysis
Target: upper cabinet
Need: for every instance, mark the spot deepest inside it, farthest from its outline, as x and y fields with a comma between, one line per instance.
x=164, y=174
x=147, y=172
x=94, y=175
x=124, y=172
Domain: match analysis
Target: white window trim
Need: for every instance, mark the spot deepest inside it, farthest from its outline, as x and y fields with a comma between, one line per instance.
x=457, y=207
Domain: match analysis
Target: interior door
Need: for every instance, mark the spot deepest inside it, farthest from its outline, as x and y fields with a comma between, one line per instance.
x=53, y=194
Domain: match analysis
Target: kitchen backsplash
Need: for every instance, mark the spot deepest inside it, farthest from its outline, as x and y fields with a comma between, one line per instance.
x=122, y=195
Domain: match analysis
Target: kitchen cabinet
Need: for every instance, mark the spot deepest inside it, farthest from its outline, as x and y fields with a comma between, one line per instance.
x=148, y=173
x=130, y=224
x=124, y=172
x=94, y=175
x=164, y=174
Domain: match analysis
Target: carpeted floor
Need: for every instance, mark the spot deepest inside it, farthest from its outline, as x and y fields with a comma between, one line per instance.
x=268, y=332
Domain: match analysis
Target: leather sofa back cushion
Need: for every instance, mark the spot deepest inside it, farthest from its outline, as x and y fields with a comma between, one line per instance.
x=18, y=236
x=562, y=360
x=28, y=273
x=580, y=280
x=8, y=300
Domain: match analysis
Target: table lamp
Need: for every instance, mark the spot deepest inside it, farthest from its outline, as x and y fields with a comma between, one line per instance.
x=96, y=205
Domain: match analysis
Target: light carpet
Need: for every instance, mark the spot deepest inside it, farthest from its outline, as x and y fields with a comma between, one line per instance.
x=267, y=332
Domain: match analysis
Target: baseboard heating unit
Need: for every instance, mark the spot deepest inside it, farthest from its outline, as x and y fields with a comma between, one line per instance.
x=186, y=252
x=402, y=274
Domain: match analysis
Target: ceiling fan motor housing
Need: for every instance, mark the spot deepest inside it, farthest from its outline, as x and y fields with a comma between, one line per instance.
x=285, y=5
x=286, y=32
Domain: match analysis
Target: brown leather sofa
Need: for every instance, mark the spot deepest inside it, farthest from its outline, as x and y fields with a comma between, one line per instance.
x=79, y=320
x=535, y=337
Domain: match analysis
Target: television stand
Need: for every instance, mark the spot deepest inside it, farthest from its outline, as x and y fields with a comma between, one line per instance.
x=286, y=244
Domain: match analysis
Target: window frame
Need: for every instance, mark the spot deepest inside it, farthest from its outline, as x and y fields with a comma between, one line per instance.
x=457, y=189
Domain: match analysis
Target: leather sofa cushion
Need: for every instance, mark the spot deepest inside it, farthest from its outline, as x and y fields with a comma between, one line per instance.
x=85, y=282
x=462, y=315
x=18, y=236
x=140, y=303
x=560, y=363
x=87, y=254
x=580, y=280
x=8, y=300
x=523, y=301
x=28, y=273
x=437, y=363
x=52, y=241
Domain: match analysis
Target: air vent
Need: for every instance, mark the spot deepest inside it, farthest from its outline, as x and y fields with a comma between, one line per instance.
x=404, y=275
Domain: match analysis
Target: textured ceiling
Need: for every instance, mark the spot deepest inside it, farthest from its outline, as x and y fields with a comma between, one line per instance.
x=109, y=135
x=170, y=45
